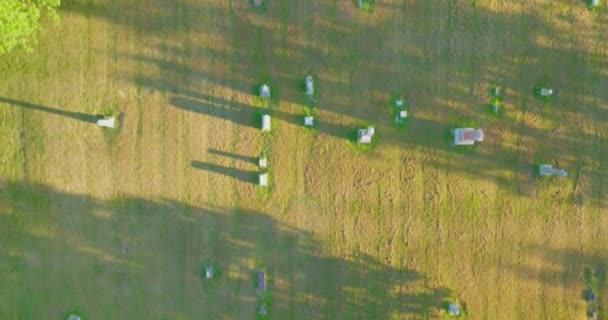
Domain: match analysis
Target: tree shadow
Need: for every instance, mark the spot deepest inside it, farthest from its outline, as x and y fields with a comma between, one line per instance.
x=452, y=49
x=562, y=265
x=139, y=256
x=70, y=114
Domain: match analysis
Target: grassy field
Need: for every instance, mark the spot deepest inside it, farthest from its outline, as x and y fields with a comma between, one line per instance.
x=119, y=225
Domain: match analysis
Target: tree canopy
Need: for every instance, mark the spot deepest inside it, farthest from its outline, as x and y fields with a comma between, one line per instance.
x=20, y=22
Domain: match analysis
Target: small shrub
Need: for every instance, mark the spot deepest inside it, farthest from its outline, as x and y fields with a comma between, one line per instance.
x=494, y=108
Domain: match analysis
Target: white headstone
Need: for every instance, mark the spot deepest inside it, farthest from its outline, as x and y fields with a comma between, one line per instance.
x=308, y=121
x=365, y=135
x=309, y=83
x=495, y=91
x=264, y=91
x=73, y=317
x=208, y=272
x=548, y=170
x=266, y=122
x=263, y=179
x=263, y=162
x=262, y=309
x=594, y=3
x=399, y=102
x=403, y=114
x=545, y=92
x=106, y=122
x=454, y=310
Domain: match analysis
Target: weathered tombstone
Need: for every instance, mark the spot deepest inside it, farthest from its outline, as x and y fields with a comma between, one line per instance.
x=548, y=170
x=308, y=121
x=266, y=122
x=263, y=162
x=495, y=91
x=592, y=314
x=263, y=179
x=467, y=136
x=106, y=122
x=546, y=92
x=73, y=317
x=262, y=309
x=399, y=102
x=264, y=91
x=454, y=310
x=209, y=272
x=309, y=89
x=495, y=107
x=257, y=3
x=366, y=135
x=261, y=276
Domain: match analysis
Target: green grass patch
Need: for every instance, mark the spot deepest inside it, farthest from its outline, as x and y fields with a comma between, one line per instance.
x=28, y=198
x=262, y=8
x=595, y=7
x=398, y=121
x=395, y=112
x=310, y=111
x=365, y=5
x=495, y=107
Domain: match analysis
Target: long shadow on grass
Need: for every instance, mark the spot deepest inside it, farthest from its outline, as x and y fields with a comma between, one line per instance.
x=242, y=175
x=448, y=50
x=70, y=114
x=233, y=155
x=247, y=115
x=138, y=257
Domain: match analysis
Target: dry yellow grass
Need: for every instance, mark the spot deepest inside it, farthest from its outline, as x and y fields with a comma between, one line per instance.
x=121, y=228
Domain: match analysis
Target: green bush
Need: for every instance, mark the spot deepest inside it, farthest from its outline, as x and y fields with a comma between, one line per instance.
x=20, y=22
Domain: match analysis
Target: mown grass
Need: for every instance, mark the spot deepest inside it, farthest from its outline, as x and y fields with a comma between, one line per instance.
x=386, y=231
